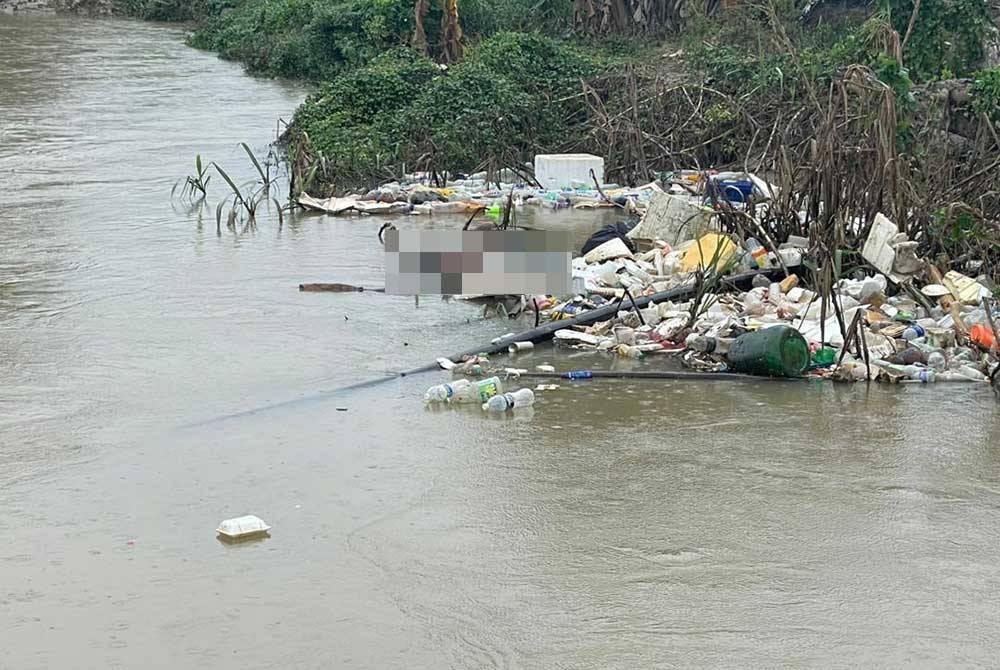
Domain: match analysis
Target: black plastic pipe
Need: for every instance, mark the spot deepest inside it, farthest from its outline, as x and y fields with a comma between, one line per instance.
x=583, y=375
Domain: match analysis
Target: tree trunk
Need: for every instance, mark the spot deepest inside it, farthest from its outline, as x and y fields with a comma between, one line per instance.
x=419, y=34
x=451, y=33
x=627, y=17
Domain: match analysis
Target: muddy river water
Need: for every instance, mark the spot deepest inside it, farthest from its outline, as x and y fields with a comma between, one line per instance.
x=157, y=377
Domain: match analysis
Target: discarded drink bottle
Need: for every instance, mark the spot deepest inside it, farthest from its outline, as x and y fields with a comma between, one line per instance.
x=779, y=351
x=579, y=374
x=465, y=391
x=913, y=372
x=970, y=373
x=507, y=401
x=913, y=332
x=627, y=351
x=445, y=392
x=959, y=376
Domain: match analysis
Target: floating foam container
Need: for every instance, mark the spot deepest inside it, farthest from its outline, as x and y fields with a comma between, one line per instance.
x=243, y=528
x=558, y=171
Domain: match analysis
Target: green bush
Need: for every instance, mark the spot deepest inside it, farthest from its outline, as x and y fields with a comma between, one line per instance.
x=309, y=39
x=486, y=17
x=986, y=93
x=512, y=95
x=363, y=101
x=163, y=10
x=947, y=38
x=316, y=39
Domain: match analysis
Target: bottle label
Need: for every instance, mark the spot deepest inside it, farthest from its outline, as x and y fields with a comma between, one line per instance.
x=488, y=388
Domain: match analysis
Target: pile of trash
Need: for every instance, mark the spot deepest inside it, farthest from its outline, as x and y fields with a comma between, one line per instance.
x=684, y=287
x=560, y=181
x=878, y=326
x=416, y=195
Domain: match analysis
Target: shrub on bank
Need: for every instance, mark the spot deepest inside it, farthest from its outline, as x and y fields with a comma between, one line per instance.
x=316, y=39
x=497, y=107
x=306, y=39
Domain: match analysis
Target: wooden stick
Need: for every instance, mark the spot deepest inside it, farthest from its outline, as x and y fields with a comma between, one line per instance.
x=864, y=341
x=337, y=288
x=598, y=187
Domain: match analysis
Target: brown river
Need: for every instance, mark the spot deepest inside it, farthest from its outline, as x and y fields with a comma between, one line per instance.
x=157, y=377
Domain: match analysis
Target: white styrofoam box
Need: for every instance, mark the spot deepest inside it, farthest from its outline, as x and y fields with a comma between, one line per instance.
x=243, y=527
x=555, y=171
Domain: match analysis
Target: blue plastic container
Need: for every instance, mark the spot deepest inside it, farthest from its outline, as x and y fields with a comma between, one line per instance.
x=733, y=190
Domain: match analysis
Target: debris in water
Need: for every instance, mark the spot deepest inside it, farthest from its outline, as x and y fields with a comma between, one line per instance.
x=243, y=528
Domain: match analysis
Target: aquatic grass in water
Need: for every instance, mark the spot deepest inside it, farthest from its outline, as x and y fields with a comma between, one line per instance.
x=243, y=202
x=193, y=185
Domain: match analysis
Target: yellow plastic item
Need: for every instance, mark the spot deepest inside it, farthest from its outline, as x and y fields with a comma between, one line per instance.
x=708, y=247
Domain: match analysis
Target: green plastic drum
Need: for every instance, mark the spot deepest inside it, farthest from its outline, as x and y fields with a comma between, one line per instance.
x=780, y=351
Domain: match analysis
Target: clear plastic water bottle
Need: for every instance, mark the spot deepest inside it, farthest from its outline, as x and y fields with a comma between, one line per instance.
x=956, y=376
x=508, y=401
x=969, y=373
x=914, y=372
x=627, y=351
x=445, y=392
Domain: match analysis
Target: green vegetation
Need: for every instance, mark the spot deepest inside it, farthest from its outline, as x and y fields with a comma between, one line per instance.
x=307, y=39
x=165, y=10
x=193, y=187
x=318, y=39
x=947, y=36
x=495, y=108
x=986, y=94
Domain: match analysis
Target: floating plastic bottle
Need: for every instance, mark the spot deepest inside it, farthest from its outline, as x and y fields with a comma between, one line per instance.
x=779, y=351
x=955, y=376
x=508, y=401
x=465, y=391
x=445, y=392
x=969, y=372
x=912, y=372
x=629, y=351
x=913, y=332
x=579, y=374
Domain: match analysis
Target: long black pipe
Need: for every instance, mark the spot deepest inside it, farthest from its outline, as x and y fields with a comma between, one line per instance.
x=588, y=318
x=655, y=374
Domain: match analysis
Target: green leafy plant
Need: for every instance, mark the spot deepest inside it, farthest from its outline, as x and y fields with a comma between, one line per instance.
x=263, y=171
x=944, y=37
x=494, y=109
x=243, y=203
x=193, y=186
x=985, y=94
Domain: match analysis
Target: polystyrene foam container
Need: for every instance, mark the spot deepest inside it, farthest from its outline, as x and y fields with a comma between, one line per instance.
x=243, y=527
